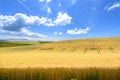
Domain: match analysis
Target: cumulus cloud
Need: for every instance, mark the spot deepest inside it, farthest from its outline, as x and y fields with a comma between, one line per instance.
x=63, y=19
x=19, y=20
x=113, y=6
x=31, y=34
x=16, y=25
x=23, y=34
x=58, y=33
x=78, y=31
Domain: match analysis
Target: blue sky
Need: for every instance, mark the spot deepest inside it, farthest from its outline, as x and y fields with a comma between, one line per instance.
x=59, y=19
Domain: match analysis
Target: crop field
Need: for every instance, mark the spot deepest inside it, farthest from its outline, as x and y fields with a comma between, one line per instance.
x=85, y=59
x=59, y=74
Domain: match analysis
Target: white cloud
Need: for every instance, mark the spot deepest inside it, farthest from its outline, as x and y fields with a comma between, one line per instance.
x=41, y=0
x=17, y=24
x=45, y=6
x=58, y=33
x=19, y=20
x=21, y=38
x=47, y=1
x=63, y=19
x=24, y=34
x=73, y=1
x=31, y=34
x=49, y=10
x=78, y=31
x=113, y=6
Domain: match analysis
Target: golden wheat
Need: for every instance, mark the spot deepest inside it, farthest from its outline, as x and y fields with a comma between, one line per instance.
x=59, y=74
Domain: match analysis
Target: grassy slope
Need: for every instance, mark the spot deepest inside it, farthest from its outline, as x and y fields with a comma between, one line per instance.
x=14, y=44
x=76, y=53
x=11, y=44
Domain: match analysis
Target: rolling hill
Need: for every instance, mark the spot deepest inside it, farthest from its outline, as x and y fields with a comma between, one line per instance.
x=103, y=52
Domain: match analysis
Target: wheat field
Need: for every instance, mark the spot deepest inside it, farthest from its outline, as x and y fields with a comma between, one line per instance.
x=75, y=53
x=59, y=74
x=85, y=59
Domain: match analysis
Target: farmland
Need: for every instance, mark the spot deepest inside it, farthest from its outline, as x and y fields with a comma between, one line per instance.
x=76, y=53
x=72, y=58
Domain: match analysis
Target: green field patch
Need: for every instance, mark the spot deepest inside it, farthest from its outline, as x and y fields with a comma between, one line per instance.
x=11, y=44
